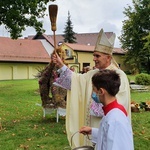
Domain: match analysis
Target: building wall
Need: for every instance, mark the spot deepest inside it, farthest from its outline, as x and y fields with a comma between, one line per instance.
x=13, y=71
x=120, y=60
x=85, y=57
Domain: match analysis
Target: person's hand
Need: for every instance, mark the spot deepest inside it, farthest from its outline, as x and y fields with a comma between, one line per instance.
x=85, y=130
x=57, y=60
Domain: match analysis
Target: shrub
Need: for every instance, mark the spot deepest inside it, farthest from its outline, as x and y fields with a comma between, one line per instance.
x=142, y=79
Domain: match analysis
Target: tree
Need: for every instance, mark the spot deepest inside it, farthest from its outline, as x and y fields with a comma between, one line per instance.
x=147, y=47
x=134, y=31
x=17, y=14
x=69, y=34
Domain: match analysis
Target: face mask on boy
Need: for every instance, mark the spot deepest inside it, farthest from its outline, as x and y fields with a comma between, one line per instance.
x=95, y=97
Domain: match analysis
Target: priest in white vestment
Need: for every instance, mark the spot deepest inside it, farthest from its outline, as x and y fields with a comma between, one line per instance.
x=81, y=110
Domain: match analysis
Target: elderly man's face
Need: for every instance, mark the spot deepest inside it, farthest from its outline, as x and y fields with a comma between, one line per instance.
x=101, y=60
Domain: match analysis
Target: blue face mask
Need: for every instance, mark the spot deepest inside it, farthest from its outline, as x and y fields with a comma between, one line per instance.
x=95, y=97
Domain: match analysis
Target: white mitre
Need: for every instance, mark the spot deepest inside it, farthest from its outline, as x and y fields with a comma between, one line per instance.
x=103, y=44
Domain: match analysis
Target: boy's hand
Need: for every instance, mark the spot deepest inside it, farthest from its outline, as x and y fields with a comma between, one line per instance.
x=85, y=130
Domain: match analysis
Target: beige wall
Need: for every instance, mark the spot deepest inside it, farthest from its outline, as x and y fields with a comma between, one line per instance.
x=12, y=71
x=85, y=57
x=120, y=60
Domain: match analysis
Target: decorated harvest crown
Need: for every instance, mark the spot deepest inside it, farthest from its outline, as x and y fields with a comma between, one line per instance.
x=103, y=44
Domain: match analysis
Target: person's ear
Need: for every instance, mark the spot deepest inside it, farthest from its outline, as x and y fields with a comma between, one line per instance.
x=101, y=91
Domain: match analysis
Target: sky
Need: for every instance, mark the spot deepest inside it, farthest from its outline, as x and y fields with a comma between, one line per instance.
x=87, y=16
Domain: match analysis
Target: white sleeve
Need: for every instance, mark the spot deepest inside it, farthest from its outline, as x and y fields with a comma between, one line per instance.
x=62, y=69
x=64, y=80
x=94, y=135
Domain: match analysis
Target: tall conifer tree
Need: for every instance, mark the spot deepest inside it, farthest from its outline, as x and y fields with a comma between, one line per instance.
x=69, y=34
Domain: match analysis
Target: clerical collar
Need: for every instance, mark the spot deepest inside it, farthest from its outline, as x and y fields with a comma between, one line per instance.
x=113, y=105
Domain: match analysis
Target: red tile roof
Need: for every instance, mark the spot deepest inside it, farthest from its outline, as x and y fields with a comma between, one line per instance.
x=78, y=47
x=85, y=41
x=83, y=38
x=22, y=50
x=119, y=51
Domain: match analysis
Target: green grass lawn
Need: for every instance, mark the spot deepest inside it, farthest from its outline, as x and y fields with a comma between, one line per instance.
x=22, y=121
x=23, y=126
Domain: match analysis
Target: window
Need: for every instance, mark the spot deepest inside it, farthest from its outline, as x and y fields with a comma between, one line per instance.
x=68, y=53
x=86, y=64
